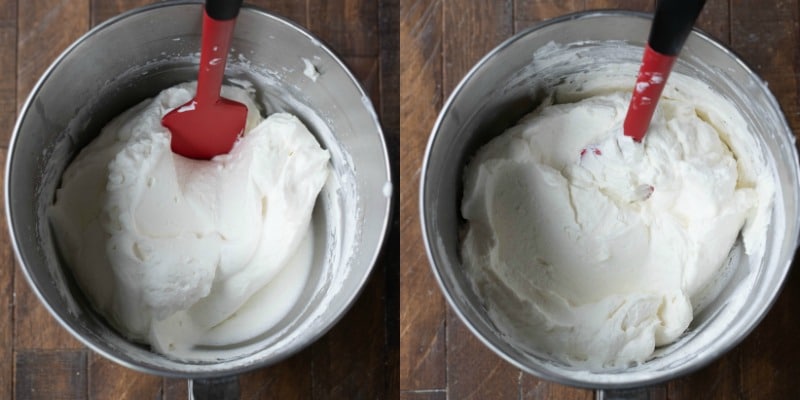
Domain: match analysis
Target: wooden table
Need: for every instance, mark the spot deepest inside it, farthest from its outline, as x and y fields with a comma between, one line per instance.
x=358, y=358
x=439, y=358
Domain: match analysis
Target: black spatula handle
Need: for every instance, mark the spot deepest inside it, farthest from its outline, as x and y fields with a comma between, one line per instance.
x=223, y=10
x=672, y=23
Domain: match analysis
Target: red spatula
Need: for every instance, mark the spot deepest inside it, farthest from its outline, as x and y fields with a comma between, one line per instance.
x=672, y=23
x=208, y=125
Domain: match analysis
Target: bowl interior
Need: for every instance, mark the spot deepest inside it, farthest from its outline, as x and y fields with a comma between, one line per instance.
x=140, y=53
x=509, y=83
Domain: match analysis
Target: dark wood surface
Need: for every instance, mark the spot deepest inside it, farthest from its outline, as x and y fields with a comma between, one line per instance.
x=357, y=359
x=440, y=359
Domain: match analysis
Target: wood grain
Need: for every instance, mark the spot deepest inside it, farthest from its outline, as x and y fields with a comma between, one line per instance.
x=6, y=305
x=766, y=38
x=174, y=389
x=462, y=47
x=357, y=359
x=294, y=10
x=535, y=388
x=51, y=375
x=8, y=68
x=281, y=381
x=45, y=28
x=440, y=394
x=422, y=307
x=720, y=380
x=389, y=84
x=108, y=380
x=529, y=12
x=102, y=10
x=634, y=5
x=715, y=20
x=349, y=26
x=349, y=360
x=473, y=371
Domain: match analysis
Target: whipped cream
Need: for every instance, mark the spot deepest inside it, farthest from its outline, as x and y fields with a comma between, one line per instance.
x=182, y=253
x=594, y=249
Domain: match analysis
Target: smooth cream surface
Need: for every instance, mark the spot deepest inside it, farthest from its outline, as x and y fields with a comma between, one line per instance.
x=183, y=253
x=594, y=249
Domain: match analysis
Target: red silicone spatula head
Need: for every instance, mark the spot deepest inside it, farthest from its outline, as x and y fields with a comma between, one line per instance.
x=672, y=23
x=208, y=125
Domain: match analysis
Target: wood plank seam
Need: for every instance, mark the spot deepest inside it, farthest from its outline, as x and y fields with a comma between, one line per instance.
x=388, y=77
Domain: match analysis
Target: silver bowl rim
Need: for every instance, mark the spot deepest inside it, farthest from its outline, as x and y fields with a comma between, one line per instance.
x=215, y=369
x=564, y=378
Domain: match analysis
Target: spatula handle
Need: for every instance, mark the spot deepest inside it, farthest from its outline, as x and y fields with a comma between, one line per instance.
x=672, y=23
x=223, y=10
x=650, y=82
x=671, y=26
x=219, y=19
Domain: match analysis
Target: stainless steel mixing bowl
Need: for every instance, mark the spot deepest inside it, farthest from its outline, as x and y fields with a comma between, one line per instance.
x=505, y=85
x=134, y=56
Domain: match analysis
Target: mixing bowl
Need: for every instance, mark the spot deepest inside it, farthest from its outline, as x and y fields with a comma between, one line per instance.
x=510, y=82
x=133, y=57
